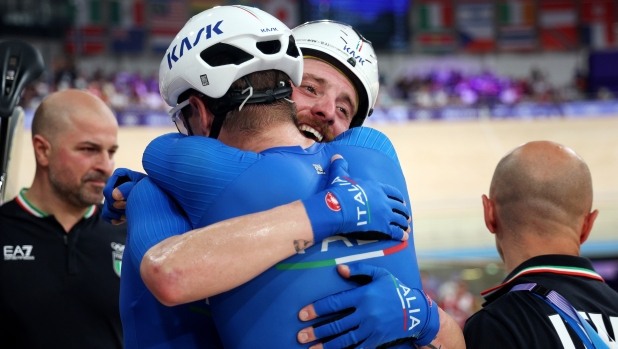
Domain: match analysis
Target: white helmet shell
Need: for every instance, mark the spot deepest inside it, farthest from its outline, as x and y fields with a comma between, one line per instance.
x=241, y=27
x=343, y=47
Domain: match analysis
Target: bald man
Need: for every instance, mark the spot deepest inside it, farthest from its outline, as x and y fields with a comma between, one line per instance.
x=539, y=209
x=60, y=271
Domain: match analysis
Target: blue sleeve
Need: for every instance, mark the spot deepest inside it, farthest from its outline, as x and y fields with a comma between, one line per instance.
x=152, y=217
x=370, y=138
x=194, y=170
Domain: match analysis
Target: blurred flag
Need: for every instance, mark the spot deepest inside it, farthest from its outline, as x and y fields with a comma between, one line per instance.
x=598, y=18
x=435, y=16
x=86, y=12
x=558, y=25
x=126, y=18
x=166, y=17
x=285, y=10
x=434, y=26
x=517, y=30
x=87, y=35
x=87, y=40
x=516, y=13
x=126, y=13
x=475, y=26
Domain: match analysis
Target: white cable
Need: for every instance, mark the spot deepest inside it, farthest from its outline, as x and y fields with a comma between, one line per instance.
x=250, y=88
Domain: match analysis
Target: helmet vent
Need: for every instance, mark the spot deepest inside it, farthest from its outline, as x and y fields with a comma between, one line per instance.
x=224, y=54
x=269, y=47
x=292, y=48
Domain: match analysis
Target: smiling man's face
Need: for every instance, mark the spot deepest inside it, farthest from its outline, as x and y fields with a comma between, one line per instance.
x=325, y=101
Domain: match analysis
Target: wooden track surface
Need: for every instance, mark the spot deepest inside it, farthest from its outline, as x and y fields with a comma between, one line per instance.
x=448, y=166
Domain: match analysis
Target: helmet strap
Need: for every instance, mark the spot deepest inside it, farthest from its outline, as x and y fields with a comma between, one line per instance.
x=239, y=97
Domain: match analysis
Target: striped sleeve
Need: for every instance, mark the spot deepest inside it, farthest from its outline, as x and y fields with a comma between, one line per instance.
x=152, y=216
x=194, y=170
x=367, y=137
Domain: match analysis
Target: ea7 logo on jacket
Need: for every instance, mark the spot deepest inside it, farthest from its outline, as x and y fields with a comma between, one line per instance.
x=186, y=44
x=17, y=253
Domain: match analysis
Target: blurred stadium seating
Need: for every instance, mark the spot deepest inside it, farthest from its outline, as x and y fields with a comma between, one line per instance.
x=507, y=71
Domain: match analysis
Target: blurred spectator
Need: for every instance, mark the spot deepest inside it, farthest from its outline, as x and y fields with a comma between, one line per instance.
x=434, y=89
x=442, y=87
x=121, y=90
x=457, y=301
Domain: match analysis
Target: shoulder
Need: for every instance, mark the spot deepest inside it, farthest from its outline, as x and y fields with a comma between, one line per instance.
x=182, y=145
x=369, y=138
x=9, y=207
x=488, y=329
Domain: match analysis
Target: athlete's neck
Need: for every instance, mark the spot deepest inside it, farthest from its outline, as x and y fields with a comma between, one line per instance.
x=279, y=135
x=44, y=198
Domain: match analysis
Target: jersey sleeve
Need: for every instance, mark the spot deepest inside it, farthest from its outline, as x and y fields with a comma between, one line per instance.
x=484, y=331
x=193, y=169
x=367, y=137
x=152, y=216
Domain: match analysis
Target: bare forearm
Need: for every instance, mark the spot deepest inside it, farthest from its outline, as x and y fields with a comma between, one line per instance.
x=214, y=259
x=450, y=335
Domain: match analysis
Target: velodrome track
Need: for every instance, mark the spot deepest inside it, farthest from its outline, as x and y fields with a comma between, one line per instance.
x=448, y=166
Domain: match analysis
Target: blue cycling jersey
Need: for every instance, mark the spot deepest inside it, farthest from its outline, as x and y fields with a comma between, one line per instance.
x=214, y=182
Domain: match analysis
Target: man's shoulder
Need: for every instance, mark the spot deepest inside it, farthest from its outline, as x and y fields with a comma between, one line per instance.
x=368, y=138
x=9, y=207
x=11, y=211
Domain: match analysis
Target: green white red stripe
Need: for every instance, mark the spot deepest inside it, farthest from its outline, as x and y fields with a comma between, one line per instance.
x=247, y=10
x=403, y=304
x=26, y=205
x=573, y=271
x=342, y=260
x=33, y=210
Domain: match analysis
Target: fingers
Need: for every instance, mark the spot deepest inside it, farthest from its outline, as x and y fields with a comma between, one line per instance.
x=117, y=194
x=338, y=168
x=344, y=341
x=344, y=270
x=306, y=335
x=336, y=327
x=335, y=303
x=364, y=269
x=119, y=221
x=392, y=192
x=125, y=189
x=307, y=313
x=335, y=157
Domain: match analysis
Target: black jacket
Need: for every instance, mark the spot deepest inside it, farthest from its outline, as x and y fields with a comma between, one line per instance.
x=519, y=319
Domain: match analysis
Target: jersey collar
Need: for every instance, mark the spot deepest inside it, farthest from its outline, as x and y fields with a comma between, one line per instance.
x=552, y=264
x=33, y=210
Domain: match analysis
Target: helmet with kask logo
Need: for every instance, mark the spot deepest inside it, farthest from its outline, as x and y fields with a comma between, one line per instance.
x=347, y=50
x=221, y=45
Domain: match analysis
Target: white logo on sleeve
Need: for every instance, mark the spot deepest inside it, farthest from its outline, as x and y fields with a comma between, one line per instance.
x=17, y=253
x=117, y=252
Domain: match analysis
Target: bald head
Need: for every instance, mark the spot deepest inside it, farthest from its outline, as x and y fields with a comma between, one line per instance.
x=62, y=110
x=541, y=184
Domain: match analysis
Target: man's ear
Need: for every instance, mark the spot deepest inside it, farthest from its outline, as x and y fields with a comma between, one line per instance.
x=489, y=212
x=587, y=227
x=42, y=150
x=205, y=117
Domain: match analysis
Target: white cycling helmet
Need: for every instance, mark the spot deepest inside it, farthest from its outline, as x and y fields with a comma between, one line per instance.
x=252, y=39
x=347, y=50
